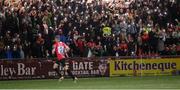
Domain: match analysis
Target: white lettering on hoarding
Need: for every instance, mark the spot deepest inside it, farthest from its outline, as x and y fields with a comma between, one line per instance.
x=82, y=65
x=7, y=71
x=20, y=70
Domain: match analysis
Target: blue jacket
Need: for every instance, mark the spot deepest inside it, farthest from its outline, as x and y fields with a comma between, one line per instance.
x=9, y=54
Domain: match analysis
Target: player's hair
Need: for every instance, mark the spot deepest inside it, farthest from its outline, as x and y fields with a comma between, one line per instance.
x=57, y=37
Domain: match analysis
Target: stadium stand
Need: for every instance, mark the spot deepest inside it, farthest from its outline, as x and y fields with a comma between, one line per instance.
x=90, y=28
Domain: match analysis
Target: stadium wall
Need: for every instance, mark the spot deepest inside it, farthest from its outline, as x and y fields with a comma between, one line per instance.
x=90, y=67
x=42, y=68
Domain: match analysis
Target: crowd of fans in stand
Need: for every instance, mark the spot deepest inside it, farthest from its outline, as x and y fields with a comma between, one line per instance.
x=96, y=28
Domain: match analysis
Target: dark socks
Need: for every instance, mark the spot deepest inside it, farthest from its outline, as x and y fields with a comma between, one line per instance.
x=70, y=73
x=57, y=71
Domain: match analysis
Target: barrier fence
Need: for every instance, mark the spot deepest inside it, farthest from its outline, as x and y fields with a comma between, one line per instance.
x=90, y=67
x=145, y=67
x=43, y=69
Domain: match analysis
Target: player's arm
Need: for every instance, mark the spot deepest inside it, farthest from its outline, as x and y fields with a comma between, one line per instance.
x=67, y=49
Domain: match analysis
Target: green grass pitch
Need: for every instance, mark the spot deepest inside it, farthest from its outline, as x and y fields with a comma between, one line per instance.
x=155, y=82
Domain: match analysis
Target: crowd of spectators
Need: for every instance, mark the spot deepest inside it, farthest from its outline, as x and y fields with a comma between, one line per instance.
x=96, y=28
